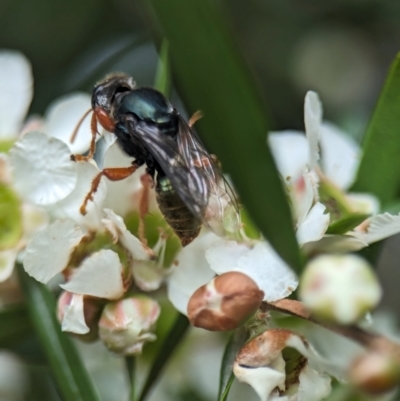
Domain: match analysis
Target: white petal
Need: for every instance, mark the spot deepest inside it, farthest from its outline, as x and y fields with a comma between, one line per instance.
x=314, y=226
x=138, y=250
x=312, y=121
x=364, y=203
x=313, y=385
x=191, y=272
x=74, y=318
x=263, y=380
x=69, y=207
x=63, y=116
x=43, y=170
x=340, y=155
x=7, y=261
x=260, y=262
x=100, y=275
x=381, y=226
x=16, y=91
x=49, y=251
x=335, y=243
x=291, y=153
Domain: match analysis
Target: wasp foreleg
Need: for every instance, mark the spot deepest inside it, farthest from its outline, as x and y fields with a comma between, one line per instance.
x=147, y=183
x=92, y=149
x=113, y=174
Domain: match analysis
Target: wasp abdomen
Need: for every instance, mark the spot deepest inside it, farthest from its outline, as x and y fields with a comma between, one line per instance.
x=177, y=215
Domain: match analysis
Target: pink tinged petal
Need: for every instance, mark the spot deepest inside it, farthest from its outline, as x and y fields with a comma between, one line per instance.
x=314, y=226
x=74, y=318
x=63, y=116
x=100, y=275
x=260, y=262
x=49, y=251
x=340, y=155
x=7, y=262
x=304, y=193
x=115, y=224
x=69, y=207
x=191, y=272
x=312, y=121
x=43, y=171
x=291, y=153
x=380, y=227
x=16, y=91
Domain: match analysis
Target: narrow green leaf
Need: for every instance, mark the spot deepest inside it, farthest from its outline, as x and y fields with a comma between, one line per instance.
x=346, y=223
x=235, y=343
x=379, y=171
x=14, y=325
x=130, y=362
x=211, y=76
x=71, y=376
x=163, y=74
x=172, y=340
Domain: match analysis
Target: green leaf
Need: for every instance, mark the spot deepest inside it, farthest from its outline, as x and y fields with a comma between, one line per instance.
x=10, y=217
x=72, y=378
x=163, y=74
x=379, y=171
x=235, y=343
x=346, y=223
x=15, y=325
x=172, y=340
x=211, y=76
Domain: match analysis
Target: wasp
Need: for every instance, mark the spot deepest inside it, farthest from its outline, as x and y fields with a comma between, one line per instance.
x=189, y=185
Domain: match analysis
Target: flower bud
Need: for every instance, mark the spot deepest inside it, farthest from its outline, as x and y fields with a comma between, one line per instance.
x=225, y=302
x=125, y=326
x=341, y=288
x=375, y=372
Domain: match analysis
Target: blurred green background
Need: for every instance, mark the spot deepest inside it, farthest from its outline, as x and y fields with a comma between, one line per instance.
x=341, y=48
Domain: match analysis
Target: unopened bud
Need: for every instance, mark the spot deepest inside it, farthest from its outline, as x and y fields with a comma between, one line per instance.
x=225, y=302
x=375, y=372
x=126, y=325
x=341, y=288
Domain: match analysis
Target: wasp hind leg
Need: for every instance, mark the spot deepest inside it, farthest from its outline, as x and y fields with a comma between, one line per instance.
x=113, y=174
x=147, y=183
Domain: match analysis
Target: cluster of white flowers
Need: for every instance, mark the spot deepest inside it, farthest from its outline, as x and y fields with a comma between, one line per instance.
x=103, y=263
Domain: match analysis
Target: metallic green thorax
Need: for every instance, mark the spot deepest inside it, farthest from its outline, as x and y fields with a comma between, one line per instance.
x=148, y=105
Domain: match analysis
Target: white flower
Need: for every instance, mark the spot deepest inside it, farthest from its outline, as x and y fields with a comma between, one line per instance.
x=208, y=255
x=262, y=365
x=339, y=287
x=16, y=92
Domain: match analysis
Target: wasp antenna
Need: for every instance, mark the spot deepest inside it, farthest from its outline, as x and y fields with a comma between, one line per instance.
x=73, y=136
x=195, y=117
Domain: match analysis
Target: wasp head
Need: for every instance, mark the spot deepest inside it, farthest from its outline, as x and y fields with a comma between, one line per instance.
x=105, y=94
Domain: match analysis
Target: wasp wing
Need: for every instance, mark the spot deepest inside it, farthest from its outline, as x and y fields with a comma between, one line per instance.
x=195, y=156
x=189, y=182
